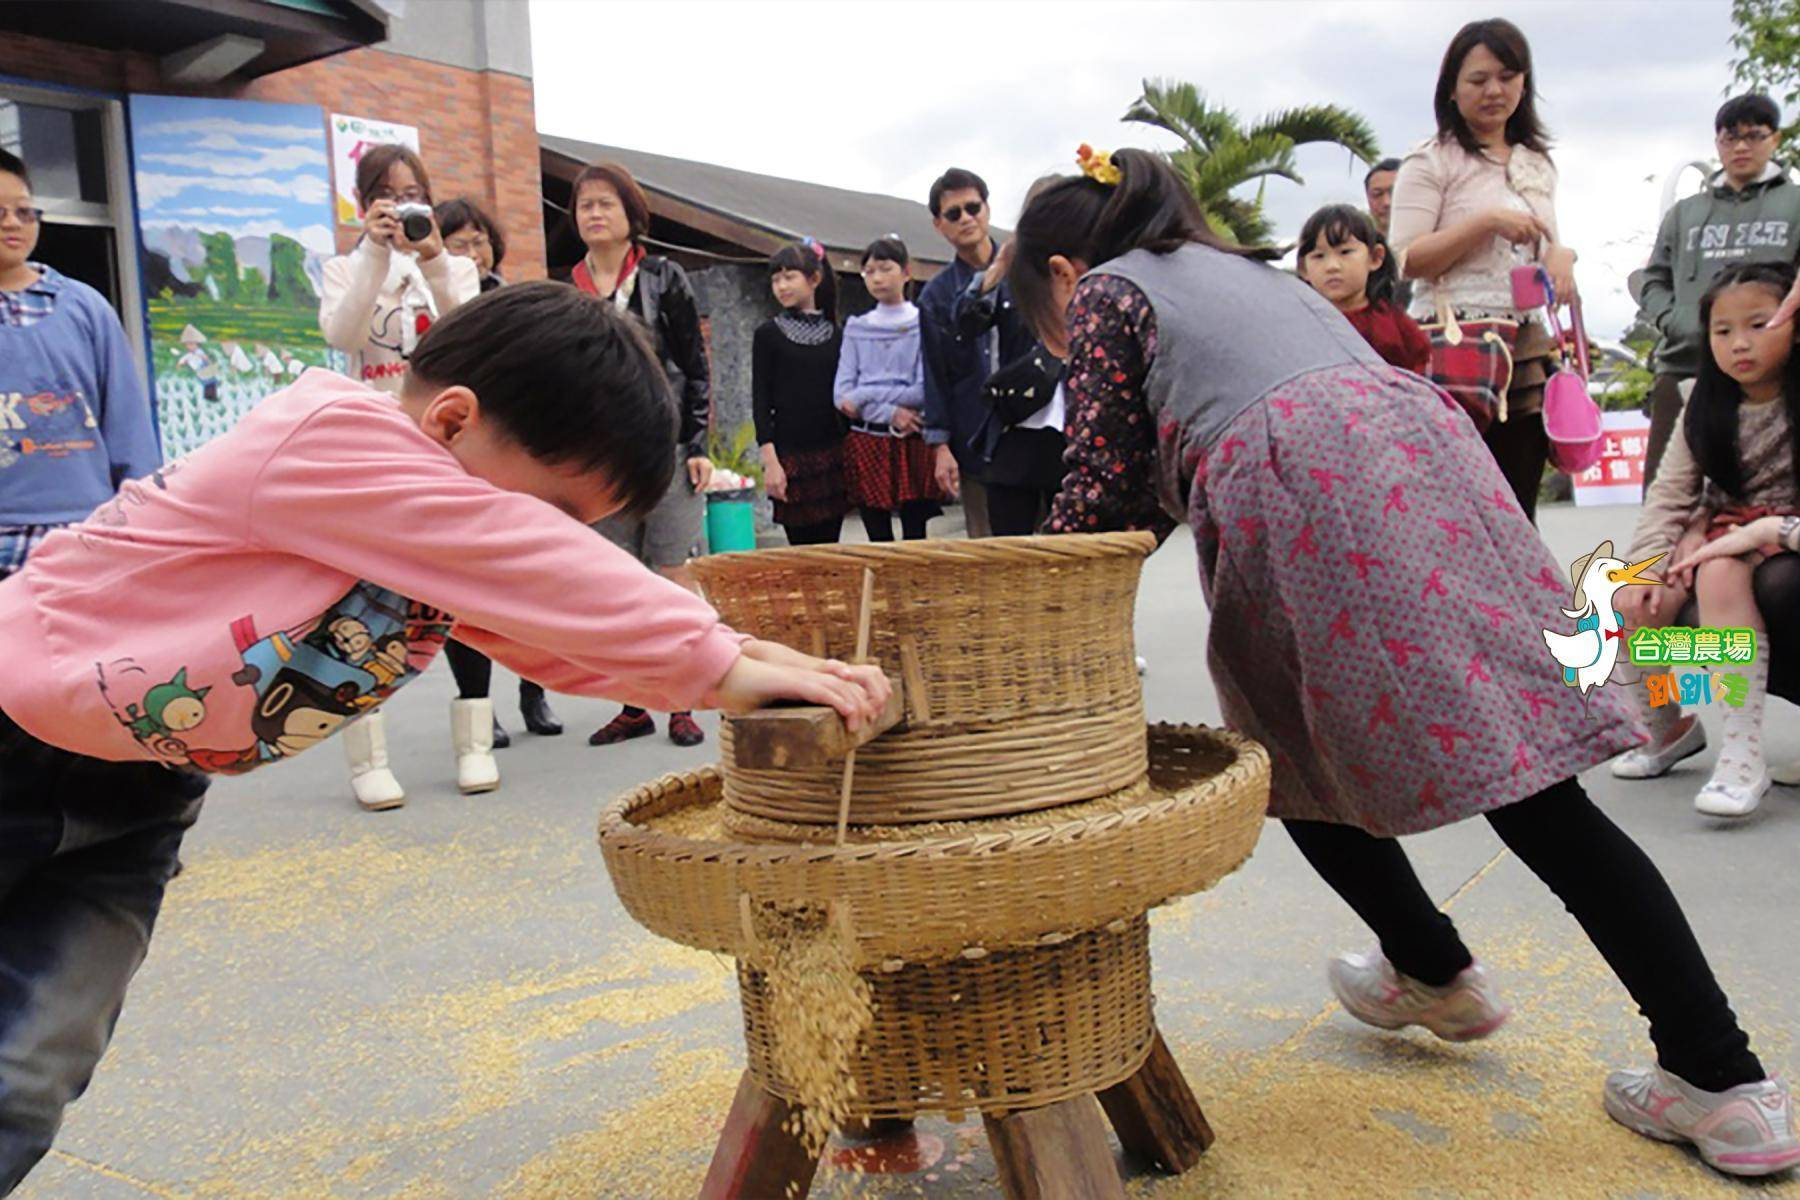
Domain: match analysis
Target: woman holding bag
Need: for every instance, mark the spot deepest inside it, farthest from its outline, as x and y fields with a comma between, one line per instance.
x=1471, y=204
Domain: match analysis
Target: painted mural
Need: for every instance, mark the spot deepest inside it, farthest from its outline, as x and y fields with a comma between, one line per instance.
x=234, y=217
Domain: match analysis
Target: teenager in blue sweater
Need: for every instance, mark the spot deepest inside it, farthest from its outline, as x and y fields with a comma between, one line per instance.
x=74, y=418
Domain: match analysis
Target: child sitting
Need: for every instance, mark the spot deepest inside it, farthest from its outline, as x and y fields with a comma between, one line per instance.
x=1733, y=458
x=1346, y=260
x=242, y=604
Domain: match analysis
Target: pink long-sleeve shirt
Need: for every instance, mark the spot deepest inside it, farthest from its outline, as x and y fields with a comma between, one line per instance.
x=241, y=604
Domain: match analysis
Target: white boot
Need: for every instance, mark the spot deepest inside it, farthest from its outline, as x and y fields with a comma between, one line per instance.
x=472, y=733
x=365, y=744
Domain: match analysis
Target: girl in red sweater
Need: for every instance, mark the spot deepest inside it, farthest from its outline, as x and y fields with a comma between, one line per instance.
x=1346, y=260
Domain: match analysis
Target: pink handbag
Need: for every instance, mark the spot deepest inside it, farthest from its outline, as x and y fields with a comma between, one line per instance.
x=1571, y=418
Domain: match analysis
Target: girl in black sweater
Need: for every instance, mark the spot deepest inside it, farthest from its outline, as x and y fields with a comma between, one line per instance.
x=793, y=363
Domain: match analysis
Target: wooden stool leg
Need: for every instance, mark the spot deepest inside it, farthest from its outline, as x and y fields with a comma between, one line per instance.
x=1058, y=1152
x=1155, y=1114
x=756, y=1158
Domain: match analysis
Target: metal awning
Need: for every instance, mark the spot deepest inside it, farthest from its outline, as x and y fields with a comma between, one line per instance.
x=255, y=37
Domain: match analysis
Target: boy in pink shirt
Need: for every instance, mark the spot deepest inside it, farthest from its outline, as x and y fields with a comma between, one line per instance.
x=242, y=604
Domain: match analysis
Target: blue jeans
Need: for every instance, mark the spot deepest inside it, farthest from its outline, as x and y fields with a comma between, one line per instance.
x=86, y=848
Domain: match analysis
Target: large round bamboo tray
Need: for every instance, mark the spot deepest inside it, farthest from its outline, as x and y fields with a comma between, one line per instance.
x=1015, y=655
x=929, y=899
x=1012, y=1030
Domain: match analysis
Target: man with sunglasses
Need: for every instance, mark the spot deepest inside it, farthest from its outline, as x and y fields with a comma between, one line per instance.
x=74, y=417
x=966, y=332
x=1749, y=212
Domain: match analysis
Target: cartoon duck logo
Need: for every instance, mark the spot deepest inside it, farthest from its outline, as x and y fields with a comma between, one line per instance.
x=1589, y=654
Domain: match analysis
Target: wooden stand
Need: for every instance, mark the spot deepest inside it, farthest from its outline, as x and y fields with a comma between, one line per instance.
x=758, y=1157
x=1155, y=1114
x=1058, y=1152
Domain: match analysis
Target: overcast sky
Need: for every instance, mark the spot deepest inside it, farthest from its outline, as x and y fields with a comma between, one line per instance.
x=880, y=96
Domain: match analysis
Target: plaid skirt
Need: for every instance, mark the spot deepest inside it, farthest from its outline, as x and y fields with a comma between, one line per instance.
x=885, y=472
x=815, y=486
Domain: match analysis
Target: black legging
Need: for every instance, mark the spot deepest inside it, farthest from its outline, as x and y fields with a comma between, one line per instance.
x=1017, y=511
x=823, y=533
x=474, y=673
x=1522, y=449
x=878, y=523
x=1605, y=882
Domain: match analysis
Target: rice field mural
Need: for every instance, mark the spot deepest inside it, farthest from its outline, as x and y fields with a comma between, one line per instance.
x=234, y=217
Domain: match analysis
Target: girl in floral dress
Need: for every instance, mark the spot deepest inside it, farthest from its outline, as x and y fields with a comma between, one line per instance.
x=1377, y=595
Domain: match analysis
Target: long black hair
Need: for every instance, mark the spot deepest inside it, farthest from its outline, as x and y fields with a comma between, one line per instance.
x=1083, y=220
x=1711, y=420
x=1504, y=40
x=808, y=258
x=1336, y=224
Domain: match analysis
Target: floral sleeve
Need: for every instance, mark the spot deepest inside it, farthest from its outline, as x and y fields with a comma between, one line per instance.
x=1111, y=484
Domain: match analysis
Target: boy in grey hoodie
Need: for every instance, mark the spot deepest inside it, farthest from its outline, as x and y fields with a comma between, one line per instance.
x=1750, y=212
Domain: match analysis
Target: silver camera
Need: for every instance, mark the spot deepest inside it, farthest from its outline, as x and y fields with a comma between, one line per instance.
x=415, y=221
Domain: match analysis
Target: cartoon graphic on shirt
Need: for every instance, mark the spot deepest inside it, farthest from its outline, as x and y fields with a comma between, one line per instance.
x=60, y=416
x=171, y=707
x=166, y=709
x=307, y=682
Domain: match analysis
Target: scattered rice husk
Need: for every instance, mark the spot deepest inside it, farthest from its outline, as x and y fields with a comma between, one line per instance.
x=819, y=1010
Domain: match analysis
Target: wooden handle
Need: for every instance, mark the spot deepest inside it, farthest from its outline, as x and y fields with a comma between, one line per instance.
x=807, y=735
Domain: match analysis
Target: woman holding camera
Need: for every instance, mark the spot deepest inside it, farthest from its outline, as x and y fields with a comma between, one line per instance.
x=377, y=300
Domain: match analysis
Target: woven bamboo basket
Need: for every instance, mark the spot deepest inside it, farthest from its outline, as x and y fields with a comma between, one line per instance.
x=1012, y=1030
x=1015, y=655
x=992, y=885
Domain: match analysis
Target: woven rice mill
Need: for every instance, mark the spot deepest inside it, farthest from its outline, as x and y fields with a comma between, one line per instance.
x=977, y=872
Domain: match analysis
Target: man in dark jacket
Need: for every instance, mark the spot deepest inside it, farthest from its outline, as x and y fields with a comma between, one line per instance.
x=963, y=341
x=1749, y=212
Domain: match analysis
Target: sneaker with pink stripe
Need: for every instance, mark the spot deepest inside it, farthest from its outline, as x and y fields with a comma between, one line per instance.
x=1372, y=991
x=1745, y=1130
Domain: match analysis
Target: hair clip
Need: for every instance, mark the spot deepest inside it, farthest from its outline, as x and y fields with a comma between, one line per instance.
x=1097, y=165
x=813, y=245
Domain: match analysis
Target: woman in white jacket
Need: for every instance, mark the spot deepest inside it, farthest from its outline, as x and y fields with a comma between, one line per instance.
x=377, y=300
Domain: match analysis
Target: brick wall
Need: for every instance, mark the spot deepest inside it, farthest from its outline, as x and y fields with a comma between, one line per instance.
x=477, y=129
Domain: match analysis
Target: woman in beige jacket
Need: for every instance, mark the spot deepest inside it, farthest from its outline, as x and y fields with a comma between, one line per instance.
x=1476, y=201
x=377, y=300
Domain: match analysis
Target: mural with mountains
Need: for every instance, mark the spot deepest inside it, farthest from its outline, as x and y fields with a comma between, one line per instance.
x=234, y=218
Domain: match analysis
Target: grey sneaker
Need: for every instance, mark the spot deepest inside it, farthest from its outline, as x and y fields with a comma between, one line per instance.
x=1647, y=762
x=1372, y=991
x=1747, y=1130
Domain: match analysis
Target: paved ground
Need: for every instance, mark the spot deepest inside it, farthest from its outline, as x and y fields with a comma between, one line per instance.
x=447, y=1001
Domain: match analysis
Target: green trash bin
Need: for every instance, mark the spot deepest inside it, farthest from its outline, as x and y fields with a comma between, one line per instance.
x=731, y=521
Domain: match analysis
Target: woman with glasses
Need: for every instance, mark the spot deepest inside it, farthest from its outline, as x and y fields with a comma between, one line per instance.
x=67, y=385
x=377, y=301
x=468, y=232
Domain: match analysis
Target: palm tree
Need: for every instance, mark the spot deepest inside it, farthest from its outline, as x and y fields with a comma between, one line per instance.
x=1219, y=154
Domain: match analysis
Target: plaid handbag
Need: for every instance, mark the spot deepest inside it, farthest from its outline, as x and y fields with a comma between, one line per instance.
x=1473, y=362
